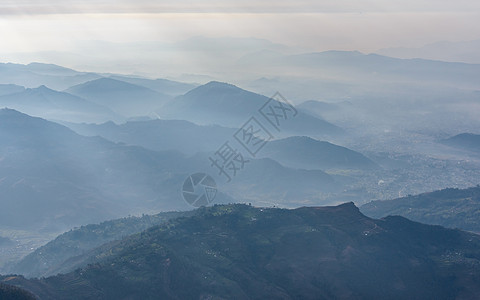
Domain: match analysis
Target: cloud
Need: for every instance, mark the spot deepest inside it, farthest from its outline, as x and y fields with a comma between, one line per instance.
x=31, y=7
x=40, y=27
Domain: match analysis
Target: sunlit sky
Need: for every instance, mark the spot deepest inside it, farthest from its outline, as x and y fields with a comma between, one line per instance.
x=31, y=26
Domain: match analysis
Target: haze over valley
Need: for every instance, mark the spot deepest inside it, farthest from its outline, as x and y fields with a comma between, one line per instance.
x=210, y=151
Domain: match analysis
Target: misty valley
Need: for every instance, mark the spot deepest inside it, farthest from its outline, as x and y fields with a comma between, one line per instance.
x=326, y=175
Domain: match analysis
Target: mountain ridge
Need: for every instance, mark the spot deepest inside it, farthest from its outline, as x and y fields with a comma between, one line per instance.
x=51, y=104
x=228, y=105
x=125, y=98
x=238, y=251
x=452, y=208
x=307, y=153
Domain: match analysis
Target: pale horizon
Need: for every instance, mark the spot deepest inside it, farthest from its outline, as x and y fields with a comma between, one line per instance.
x=33, y=30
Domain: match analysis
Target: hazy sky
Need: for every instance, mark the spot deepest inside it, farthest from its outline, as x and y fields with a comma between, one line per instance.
x=31, y=26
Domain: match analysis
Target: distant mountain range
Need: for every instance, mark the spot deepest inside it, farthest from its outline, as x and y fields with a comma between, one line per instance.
x=464, y=141
x=467, y=51
x=164, y=86
x=374, y=66
x=341, y=75
x=160, y=135
x=52, y=178
x=54, y=105
x=292, y=153
x=307, y=153
x=124, y=98
x=188, y=138
x=453, y=208
x=61, y=78
x=242, y=252
x=81, y=148
x=266, y=182
x=227, y=105
x=88, y=97
x=36, y=74
x=252, y=184
x=317, y=108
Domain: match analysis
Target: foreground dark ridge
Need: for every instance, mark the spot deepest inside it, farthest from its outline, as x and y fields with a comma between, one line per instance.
x=9, y=292
x=242, y=252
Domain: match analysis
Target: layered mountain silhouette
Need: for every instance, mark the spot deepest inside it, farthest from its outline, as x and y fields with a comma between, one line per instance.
x=164, y=86
x=454, y=208
x=160, y=135
x=61, y=78
x=266, y=182
x=81, y=148
x=318, y=108
x=37, y=74
x=189, y=138
x=47, y=69
x=466, y=51
x=307, y=153
x=242, y=252
x=359, y=67
x=227, y=105
x=52, y=178
x=50, y=104
x=122, y=97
